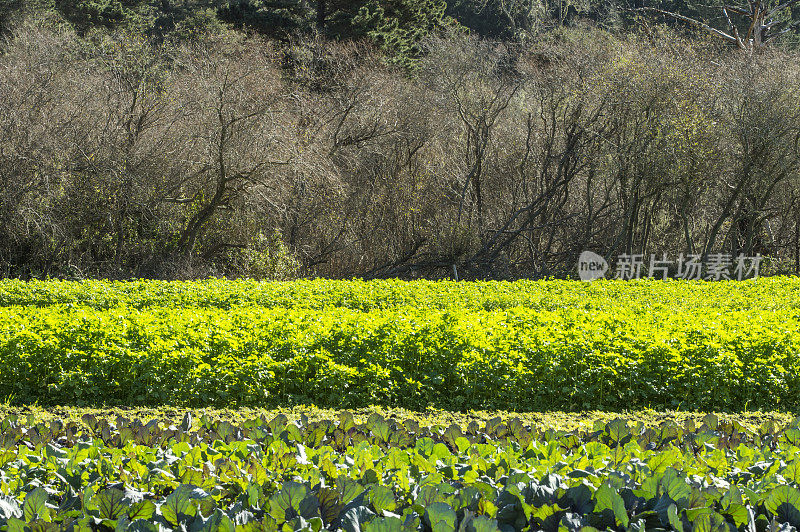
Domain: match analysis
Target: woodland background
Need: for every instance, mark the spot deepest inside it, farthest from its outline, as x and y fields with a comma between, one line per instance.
x=389, y=138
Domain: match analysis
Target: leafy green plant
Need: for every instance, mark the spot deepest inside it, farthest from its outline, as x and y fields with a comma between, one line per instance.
x=545, y=345
x=336, y=474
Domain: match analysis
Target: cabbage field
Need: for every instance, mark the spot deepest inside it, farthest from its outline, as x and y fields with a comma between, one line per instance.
x=113, y=401
x=385, y=475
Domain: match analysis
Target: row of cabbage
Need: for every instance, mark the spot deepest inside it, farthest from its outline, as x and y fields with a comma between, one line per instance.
x=644, y=296
x=386, y=475
x=517, y=359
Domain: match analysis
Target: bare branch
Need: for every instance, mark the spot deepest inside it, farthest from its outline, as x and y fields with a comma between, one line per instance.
x=714, y=31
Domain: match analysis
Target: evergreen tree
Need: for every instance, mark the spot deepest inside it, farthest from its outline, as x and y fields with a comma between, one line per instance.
x=275, y=18
x=483, y=17
x=398, y=26
x=86, y=14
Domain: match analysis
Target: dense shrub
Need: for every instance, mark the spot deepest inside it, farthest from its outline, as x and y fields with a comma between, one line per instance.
x=628, y=348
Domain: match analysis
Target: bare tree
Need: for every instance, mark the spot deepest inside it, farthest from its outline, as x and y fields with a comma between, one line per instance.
x=238, y=132
x=759, y=16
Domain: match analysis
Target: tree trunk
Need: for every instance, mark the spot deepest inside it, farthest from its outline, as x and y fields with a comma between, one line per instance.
x=322, y=14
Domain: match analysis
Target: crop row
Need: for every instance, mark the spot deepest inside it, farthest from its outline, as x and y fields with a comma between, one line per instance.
x=646, y=297
x=386, y=476
x=567, y=421
x=518, y=359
